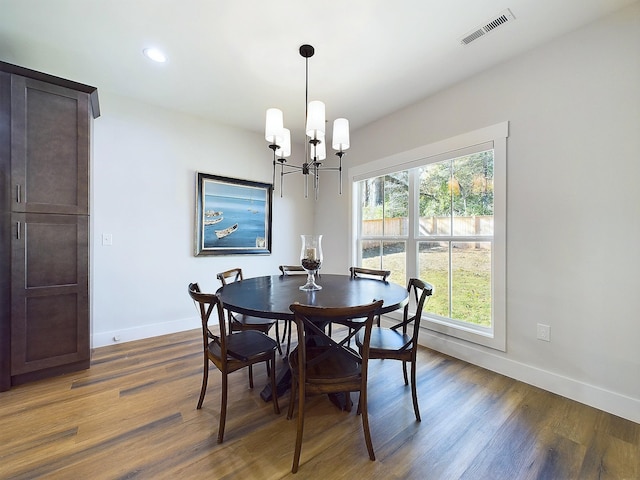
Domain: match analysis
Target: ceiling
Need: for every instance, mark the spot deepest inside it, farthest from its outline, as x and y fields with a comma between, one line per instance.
x=229, y=60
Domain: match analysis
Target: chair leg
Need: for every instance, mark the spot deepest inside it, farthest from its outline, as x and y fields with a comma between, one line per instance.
x=205, y=378
x=285, y=327
x=288, y=340
x=414, y=391
x=250, y=376
x=274, y=391
x=365, y=423
x=404, y=371
x=278, y=338
x=223, y=408
x=292, y=397
x=296, y=453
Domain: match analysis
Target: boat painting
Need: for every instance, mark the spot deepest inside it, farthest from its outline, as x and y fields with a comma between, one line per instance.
x=245, y=227
x=241, y=206
x=226, y=231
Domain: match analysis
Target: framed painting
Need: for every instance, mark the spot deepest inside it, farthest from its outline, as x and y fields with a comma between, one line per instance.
x=233, y=216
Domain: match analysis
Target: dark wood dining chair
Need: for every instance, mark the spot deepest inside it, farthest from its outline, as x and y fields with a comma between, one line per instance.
x=362, y=272
x=286, y=270
x=321, y=365
x=398, y=342
x=231, y=352
x=241, y=322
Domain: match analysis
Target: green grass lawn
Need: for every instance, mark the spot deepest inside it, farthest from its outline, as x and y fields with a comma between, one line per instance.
x=471, y=291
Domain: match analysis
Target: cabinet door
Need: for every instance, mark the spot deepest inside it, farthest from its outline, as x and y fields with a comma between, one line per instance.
x=50, y=286
x=49, y=148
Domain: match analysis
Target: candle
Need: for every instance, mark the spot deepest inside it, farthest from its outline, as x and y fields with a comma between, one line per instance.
x=310, y=254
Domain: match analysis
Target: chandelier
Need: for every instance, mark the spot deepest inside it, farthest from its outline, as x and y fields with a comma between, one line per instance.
x=279, y=138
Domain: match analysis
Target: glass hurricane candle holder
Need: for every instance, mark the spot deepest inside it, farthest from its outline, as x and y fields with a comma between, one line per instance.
x=311, y=260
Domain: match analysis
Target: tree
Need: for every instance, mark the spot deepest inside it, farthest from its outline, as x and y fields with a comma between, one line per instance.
x=462, y=186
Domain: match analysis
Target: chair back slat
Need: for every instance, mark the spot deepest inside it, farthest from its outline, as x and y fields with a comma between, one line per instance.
x=292, y=270
x=229, y=276
x=369, y=273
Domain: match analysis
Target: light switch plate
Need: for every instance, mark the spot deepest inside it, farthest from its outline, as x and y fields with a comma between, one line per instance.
x=544, y=332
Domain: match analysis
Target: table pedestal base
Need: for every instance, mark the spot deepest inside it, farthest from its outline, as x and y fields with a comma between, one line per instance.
x=283, y=383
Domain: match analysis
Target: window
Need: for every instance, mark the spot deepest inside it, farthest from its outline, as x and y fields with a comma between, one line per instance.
x=438, y=213
x=384, y=228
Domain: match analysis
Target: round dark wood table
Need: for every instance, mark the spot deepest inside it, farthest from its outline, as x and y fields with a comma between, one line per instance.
x=270, y=296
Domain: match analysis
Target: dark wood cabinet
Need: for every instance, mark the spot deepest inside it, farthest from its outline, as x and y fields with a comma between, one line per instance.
x=45, y=125
x=49, y=294
x=49, y=148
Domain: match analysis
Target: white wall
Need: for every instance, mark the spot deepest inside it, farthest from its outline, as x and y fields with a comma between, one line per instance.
x=144, y=175
x=573, y=212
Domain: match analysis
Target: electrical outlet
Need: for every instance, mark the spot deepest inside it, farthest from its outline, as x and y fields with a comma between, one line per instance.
x=107, y=239
x=544, y=332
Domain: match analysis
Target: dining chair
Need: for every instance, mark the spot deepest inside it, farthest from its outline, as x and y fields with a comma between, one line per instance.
x=397, y=342
x=231, y=352
x=321, y=365
x=285, y=271
x=241, y=322
x=361, y=272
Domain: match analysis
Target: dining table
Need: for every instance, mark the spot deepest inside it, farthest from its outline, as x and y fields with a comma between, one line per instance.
x=270, y=297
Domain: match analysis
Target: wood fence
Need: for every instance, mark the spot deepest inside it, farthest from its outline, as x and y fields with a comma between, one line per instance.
x=462, y=226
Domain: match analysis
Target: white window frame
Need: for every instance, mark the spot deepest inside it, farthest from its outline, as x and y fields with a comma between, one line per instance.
x=494, y=136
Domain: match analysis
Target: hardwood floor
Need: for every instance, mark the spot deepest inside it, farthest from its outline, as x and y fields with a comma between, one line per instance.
x=133, y=415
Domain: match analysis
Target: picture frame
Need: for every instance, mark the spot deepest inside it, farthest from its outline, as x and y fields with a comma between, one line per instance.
x=233, y=216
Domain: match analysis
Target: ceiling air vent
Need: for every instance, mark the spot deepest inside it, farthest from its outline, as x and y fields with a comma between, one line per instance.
x=490, y=25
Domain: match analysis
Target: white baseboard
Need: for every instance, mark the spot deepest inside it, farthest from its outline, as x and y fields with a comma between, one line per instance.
x=101, y=339
x=602, y=399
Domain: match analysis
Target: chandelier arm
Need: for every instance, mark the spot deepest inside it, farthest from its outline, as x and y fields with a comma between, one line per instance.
x=295, y=169
x=326, y=169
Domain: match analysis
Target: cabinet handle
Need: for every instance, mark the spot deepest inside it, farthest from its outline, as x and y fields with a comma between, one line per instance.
x=18, y=193
x=18, y=229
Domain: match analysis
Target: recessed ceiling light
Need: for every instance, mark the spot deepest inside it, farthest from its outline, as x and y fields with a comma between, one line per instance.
x=155, y=55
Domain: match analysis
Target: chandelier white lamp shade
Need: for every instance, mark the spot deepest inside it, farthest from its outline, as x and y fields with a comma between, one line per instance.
x=315, y=119
x=284, y=149
x=340, y=134
x=273, y=129
x=279, y=138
